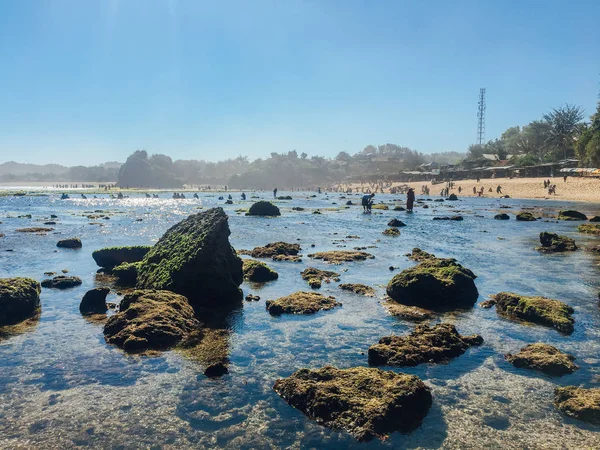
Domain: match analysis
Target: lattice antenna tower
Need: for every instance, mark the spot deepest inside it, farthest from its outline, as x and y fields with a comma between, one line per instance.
x=481, y=117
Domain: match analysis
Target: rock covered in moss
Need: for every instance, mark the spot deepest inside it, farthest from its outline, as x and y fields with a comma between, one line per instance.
x=258, y=271
x=392, y=231
x=113, y=256
x=426, y=344
x=419, y=255
x=61, y=282
x=396, y=223
x=301, y=303
x=341, y=256
x=360, y=289
x=544, y=358
x=275, y=249
x=126, y=273
x=263, y=208
x=194, y=258
x=525, y=217
x=589, y=228
x=412, y=313
x=94, y=301
x=34, y=230
x=434, y=283
x=571, y=215
x=502, y=216
x=552, y=242
x=316, y=276
x=380, y=206
x=151, y=320
x=19, y=299
x=579, y=403
x=69, y=243
x=539, y=310
x=366, y=402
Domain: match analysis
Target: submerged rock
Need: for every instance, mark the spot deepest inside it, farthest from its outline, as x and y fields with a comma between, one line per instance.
x=61, y=282
x=502, y=216
x=263, y=208
x=545, y=358
x=366, y=402
x=34, y=230
x=434, y=283
x=579, y=403
x=399, y=208
x=315, y=276
x=19, y=299
x=113, y=256
x=571, y=215
x=552, y=242
x=292, y=258
x=216, y=370
x=396, y=223
x=151, y=319
x=301, y=303
x=258, y=271
x=340, y=256
x=589, y=228
x=412, y=313
x=69, y=243
x=194, y=258
x=448, y=218
x=525, y=217
x=94, y=301
x=438, y=343
x=380, y=206
x=393, y=231
x=275, y=249
x=539, y=310
x=360, y=289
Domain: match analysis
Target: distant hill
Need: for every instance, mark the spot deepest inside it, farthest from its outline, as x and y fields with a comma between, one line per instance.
x=13, y=171
x=15, y=168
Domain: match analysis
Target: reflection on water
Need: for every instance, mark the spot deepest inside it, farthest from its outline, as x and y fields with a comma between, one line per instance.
x=61, y=385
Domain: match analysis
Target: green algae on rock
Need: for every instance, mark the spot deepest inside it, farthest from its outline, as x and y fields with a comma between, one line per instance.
x=34, y=230
x=380, y=206
x=301, y=303
x=113, y=256
x=366, y=402
x=426, y=344
x=579, y=403
x=357, y=288
x=392, y=231
x=126, y=273
x=589, y=228
x=341, y=256
x=19, y=299
x=69, y=243
x=316, y=276
x=552, y=242
x=194, y=258
x=151, y=320
x=258, y=271
x=544, y=358
x=94, y=301
x=275, y=249
x=412, y=313
x=525, y=217
x=263, y=208
x=538, y=310
x=571, y=215
x=434, y=283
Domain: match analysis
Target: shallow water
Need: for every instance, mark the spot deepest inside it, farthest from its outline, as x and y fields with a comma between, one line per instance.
x=62, y=386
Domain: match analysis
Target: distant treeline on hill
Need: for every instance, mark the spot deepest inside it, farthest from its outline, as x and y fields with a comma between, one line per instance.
x=12, y=171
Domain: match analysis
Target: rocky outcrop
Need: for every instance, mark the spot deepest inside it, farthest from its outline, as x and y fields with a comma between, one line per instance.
x=502, y=216
x=396, y=223
x=258, y=271
x=452, y=197
x=525, y=217
x=151, y=320
x=539, y=310
x=366, y=402
x=412, y=313
x=34, y=230
x=113, y=256
x=544, y=358
x=571, y=215
x=589, y=228
x=19, y=299
x=94, y=301
x=126, y=273
x=194, y=258
x=341, y=256
x=275, y=249
x=316, y=276
x=552, y=242
x=380, y=206
x=448, y=218
x=360, y=289
x=399, y=208
x=579, y=403
x=69, y=243
x=434, y=283
x=393, y=231
x=426, y=344
x=263, y=208
x=595, y=219
x=61, y=282
x=301, y=303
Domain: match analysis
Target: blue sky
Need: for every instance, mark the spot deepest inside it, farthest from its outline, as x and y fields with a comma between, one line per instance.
x=83, y=82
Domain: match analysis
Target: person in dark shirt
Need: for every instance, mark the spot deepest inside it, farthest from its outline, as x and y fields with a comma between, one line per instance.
x=367, y=202
x=410, y=199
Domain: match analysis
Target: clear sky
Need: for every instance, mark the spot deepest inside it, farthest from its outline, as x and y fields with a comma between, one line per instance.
x=88, y=81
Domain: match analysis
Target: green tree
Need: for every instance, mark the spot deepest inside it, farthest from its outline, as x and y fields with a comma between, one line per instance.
x=564, y=125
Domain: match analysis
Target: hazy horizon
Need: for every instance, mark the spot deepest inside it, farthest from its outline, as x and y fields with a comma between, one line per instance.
x=89, y=82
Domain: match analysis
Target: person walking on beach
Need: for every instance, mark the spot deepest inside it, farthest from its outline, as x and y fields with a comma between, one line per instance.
x=499, y=190
x=410, y=199
x=275, y=193
x=367, y=202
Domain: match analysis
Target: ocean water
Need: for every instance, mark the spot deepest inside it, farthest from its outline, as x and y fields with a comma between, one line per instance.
x=62, y=386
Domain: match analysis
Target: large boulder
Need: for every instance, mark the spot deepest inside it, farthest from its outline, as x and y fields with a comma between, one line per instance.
x=552, y=242
x=502, y=216
x=452, y=197
x=19, y=299
x=263, y=208
x=151, y=320
x=426, y=344
x=258, y=271
x=113, y=256
x=69, y=243
x=544, y=358
x=525, y=217
x=94, y=301
x=61, y=282
x=571, y=215
x=396, y=223
x=301, y=303
x=579, y=403
x=434, y=283
x=194, y=258
x=366, y=402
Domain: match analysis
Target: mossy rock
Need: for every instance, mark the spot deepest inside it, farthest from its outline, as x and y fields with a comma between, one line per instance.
x=61, y=282
x=380, y=206
x=393, y=231
x=194, y=258
x=19, y=299
x=360, y=289
x=113, y=256
x=34, y=230
x=316, y=276
x=589, y=228
x=571, y=215
x=94, y=301
x=538, y=310
x=424, y=345
x=301, y=303
x=275, y=248
x=435, y=283
x=258, y=271
x=579, y=403
x=502, y=216
x=366, y=402
x=73, y=243
x=126, y=273
x=525, y=217
x=544, y=358
x=552, y=242
x=263, y=208
x=151, y=320
x=341, y=256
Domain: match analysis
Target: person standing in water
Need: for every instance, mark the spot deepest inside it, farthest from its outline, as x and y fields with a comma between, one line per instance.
x=275, y=193
x=367, y=201
x=410, y=199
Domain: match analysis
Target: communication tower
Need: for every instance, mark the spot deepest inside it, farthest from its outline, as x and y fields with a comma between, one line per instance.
x=481, y=117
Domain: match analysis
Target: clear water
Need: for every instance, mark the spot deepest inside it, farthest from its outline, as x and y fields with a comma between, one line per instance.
x=62, y=386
